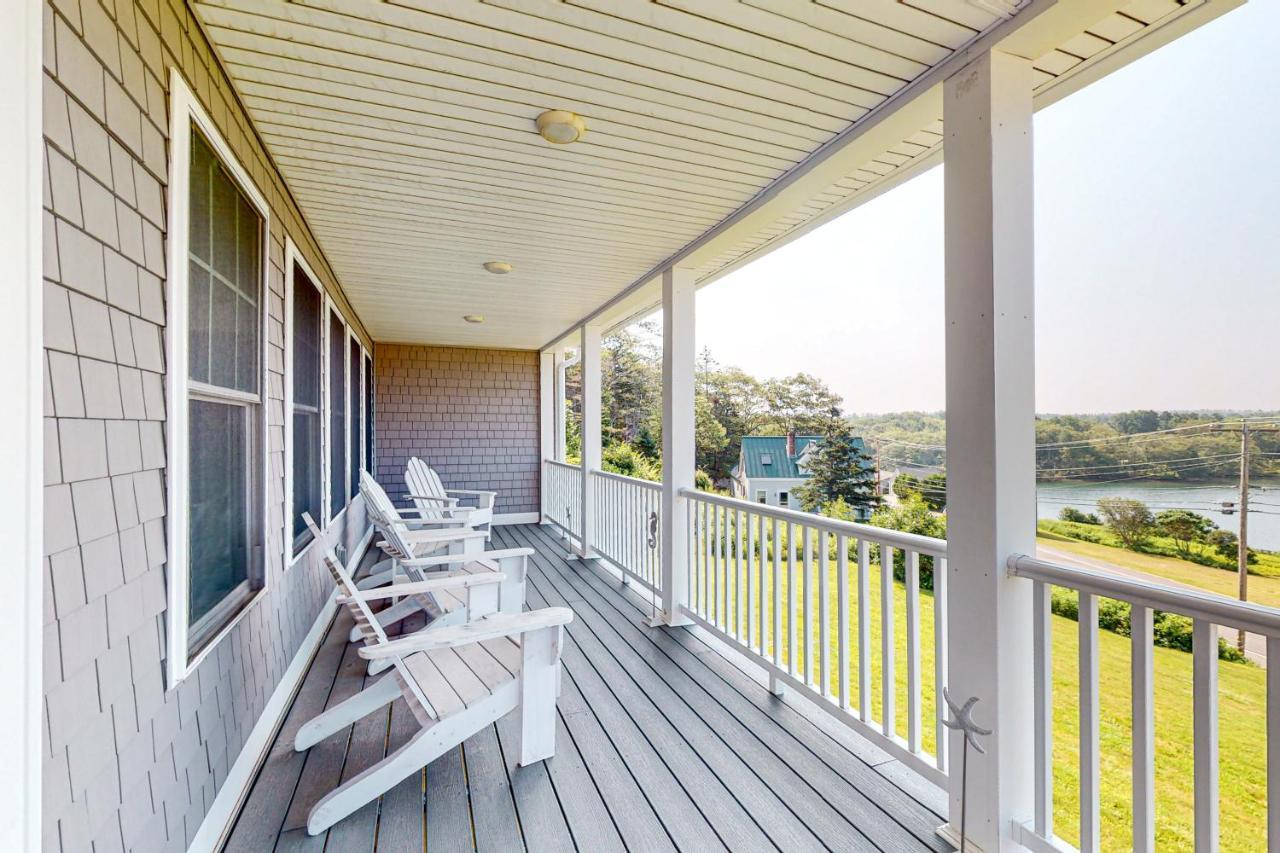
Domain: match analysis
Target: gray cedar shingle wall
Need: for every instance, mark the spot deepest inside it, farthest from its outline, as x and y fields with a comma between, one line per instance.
x=472, y=414
x=131, y=765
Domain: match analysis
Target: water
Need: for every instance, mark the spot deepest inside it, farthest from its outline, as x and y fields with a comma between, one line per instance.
x=1203, y=498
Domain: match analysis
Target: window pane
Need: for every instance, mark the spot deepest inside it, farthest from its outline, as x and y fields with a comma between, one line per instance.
x=201, y=162
x=306, y=341
x=306, y=473
x=247, y=321
x=337, y=415
x=218, y=521
x=222, y=204
x=198, y=320
x=368, y=414
x=353, y=458
x=222, y=336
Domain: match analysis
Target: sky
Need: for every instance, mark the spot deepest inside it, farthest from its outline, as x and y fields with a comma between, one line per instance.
x=1157, y=252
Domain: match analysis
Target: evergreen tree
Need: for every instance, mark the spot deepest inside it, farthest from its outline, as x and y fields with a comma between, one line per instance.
x=838, y=470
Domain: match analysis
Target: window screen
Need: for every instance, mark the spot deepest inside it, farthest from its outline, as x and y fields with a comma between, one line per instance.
x=368, y=414
x=353, y=454
x=337, y=415
x=224, y=406
x=308, y=314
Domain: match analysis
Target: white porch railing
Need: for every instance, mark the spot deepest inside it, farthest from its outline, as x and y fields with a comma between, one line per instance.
x=795, y=592
x=562, y=504
x=626, y=526
x=1207, y=613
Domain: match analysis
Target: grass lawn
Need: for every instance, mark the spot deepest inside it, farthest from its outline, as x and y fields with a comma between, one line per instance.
x=1242, y=703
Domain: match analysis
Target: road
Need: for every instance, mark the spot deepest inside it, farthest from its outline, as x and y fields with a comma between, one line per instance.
x=1255, y=645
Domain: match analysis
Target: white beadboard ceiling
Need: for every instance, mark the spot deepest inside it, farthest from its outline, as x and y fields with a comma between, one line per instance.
x=406, y=132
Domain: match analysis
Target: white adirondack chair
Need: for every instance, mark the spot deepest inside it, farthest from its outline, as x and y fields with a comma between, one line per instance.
x=429, y=495
x=442, y=604
x=455, y=680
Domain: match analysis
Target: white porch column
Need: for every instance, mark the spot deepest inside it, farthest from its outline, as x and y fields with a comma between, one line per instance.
x=546, y=424
x=559, y=414
x=590, y=363
x=678, y=462
x=991, y=497
x=21, y=466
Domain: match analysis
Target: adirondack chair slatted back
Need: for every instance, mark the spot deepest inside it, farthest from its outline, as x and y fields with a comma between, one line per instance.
x=372, y=632
x=425, y=483
x=383, y=514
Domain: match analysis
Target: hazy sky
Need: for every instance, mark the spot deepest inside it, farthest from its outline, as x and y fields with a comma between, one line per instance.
x=1158, y=252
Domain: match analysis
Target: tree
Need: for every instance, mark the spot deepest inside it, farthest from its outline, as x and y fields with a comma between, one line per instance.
x=838, y=469
x=1227, y=544
x=932, y=490
x=1184, y=527
x=1070, y=513
x=912, y=516
x=1128, y=519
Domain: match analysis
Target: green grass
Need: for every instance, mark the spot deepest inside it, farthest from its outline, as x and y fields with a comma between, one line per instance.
x=1242, y=705
x=1265, y=563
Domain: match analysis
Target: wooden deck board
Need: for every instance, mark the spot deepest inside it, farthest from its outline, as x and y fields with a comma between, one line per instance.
x=662, y=743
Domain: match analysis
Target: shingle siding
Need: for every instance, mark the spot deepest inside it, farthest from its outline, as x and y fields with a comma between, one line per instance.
x=472, y=414
x=131, y=765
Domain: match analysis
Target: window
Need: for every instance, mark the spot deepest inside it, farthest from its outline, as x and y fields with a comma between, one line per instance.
x=766, y=458
x=303, y=393
x=337, y=414
x=217, y=424
x=761, y=496
x=784, y=498
x=353, y=428
x=368, y=414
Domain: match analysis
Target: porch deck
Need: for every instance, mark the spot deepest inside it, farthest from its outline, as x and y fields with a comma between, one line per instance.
x=663, y=743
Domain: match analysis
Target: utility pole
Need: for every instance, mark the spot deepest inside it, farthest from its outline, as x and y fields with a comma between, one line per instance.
x=1242, y=544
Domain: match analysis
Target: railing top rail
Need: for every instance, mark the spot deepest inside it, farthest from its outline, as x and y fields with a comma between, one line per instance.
x=560, y=464
x=623, y=478
x=1216, y=609
x=880, y=535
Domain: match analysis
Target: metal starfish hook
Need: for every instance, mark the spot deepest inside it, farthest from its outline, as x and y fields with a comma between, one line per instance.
x=962, y=721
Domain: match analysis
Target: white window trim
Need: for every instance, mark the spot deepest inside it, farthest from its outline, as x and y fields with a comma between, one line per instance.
x=355, y=419
x=185, y=109
x=369, y=447
x=330, y=309
x=291, y=257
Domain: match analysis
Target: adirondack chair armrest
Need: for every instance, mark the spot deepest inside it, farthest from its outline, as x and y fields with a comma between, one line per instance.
x=452, y=580
x=447, y=501
x=445, y=535
x=446, y=559
x=459, y=512
x=486, y=499
x=491, y=627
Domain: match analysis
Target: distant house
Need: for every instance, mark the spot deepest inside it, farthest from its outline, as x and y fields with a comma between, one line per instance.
x=770, y=467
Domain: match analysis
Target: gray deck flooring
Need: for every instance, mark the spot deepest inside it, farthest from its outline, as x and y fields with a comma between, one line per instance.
x=662, y=743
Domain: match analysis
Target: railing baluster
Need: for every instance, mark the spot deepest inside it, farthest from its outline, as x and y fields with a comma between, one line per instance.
x=842, y=619
x=1090, y=796
x=824, y=616
x=864, y=631
x=776, y=612
x=807, y=624
x=1204, y=646
x=1273, y=743
x=793, y=659
x=751, y=559
x=1042, y=684
x=888, y=673
x=704, y=601
x=941, y=758
x=1144, y=743
x=737, y=573
x=912, y=562
x=760, y=596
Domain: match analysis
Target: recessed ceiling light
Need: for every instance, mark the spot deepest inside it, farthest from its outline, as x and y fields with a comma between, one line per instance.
x=561, y=126
x=473, y=318
x=498, y=267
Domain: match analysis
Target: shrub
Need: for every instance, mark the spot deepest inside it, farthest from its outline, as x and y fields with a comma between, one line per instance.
x=1170, y=630
x=1075, y=516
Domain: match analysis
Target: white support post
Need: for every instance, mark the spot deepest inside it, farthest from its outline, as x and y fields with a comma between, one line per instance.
x=21, y=460
x=558, y=412
x=590, y=365
x=546, y=424
x=990, y=372
x=678, y=355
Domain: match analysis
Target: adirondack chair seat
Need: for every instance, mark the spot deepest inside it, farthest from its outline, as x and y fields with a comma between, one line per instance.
x=455, y=680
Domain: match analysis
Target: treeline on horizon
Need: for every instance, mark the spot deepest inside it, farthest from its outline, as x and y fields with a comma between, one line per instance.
x=731, y=403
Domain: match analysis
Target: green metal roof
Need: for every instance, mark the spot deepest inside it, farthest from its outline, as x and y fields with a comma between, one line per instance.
x=756, y=448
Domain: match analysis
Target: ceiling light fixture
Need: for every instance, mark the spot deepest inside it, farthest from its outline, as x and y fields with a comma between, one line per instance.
x=473, y=318
x=560, y=127
x=498, y=267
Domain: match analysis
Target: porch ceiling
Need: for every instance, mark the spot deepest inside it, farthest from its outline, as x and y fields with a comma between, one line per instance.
x=717, y=130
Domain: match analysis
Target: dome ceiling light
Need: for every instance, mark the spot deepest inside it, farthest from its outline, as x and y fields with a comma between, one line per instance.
x=560, y=127
x=473, y=318
x=498, y=267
